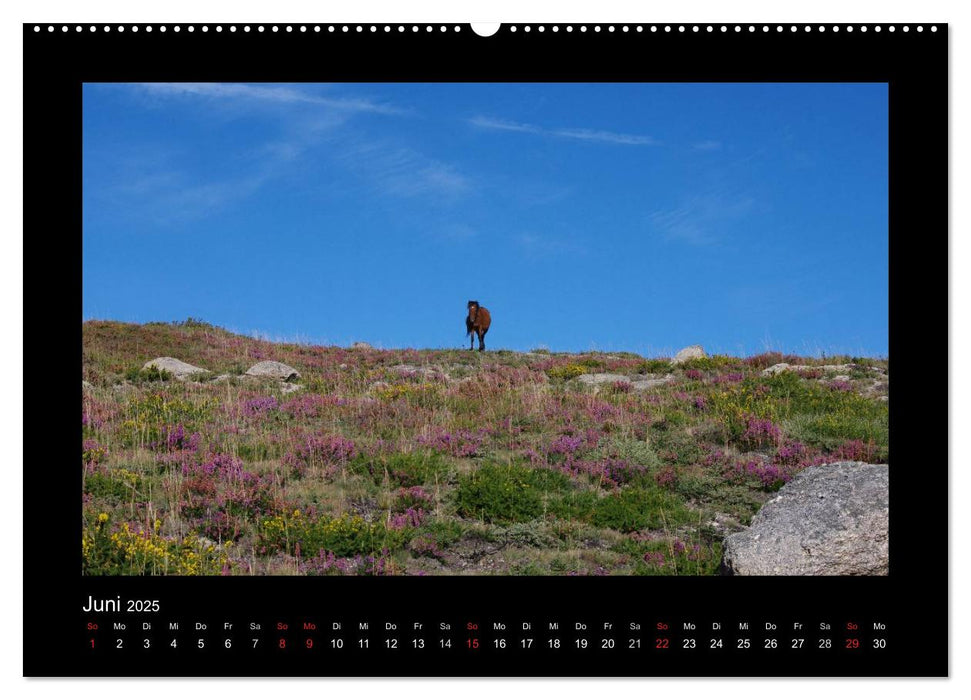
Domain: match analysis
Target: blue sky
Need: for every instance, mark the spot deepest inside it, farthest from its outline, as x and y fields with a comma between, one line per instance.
x=639, y=217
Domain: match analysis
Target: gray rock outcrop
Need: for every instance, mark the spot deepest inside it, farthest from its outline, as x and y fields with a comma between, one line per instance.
x=651, y=382
x=177, y=368
x=274, y=370
x=602, y=378
x=361, y=345
x=689, y=353
x=830, y=520
x=638, y=382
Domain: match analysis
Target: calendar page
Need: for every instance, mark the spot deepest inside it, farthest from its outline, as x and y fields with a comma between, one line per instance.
x=452, y=350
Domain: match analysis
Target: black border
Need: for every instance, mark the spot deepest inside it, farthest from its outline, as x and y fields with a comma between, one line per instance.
x=911, y=601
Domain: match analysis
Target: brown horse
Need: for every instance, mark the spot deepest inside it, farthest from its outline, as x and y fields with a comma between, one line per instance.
x=478, y=322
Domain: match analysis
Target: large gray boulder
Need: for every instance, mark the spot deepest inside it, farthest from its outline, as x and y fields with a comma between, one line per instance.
x=361, y=345
x=177, y=368
x=830, y=520
x=689, y=353
x=274, y=370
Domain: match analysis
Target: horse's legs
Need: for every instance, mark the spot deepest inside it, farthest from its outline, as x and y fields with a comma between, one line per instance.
x=482, y=339
x=472, y=340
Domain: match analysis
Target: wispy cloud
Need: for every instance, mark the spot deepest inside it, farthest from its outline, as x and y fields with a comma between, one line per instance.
x=168, y=191
x=579, y=134
x=706, y=146
x=701, y=219
x=536, y=244
x=405, y=172
x=285, y=94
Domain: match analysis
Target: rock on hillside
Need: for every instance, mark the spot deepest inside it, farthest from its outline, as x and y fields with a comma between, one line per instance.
x=639, y=382
x=361, y=345
x=650, y=381
x=830, y=520
x=603, y=378
x=786, y=367
x=689, y=353
x=274, y=370
x=178, y=368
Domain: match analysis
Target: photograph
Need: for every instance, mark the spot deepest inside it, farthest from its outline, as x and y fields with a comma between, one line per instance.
x=485, y=329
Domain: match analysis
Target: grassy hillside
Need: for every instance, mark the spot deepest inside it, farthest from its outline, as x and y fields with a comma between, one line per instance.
x=389, y=462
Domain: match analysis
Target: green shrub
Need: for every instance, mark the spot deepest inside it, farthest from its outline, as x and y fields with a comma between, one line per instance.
x=138, y=375
x=654, y=366
x=711, y=363
x=830, y=430
x=506, y=493
x=344, y=536
x=443, y=532
x=116, y=485
x=191, y=322
x=403, y=469
x=576, y=505
x=638, y=508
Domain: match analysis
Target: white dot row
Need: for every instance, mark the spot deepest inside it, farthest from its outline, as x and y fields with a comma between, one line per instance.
x=512, y=28
x=247, y=28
